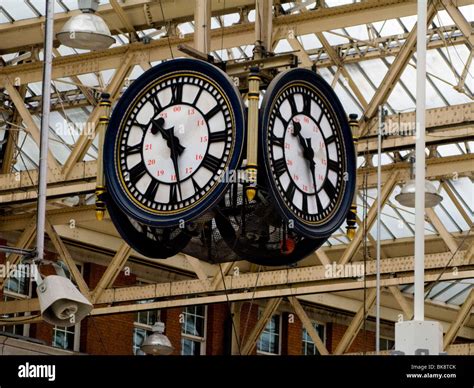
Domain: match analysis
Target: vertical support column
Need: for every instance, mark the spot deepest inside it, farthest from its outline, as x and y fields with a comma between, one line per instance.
x=351, y=219
x=420, y=163
x=100, y=186
x=202, y=26
x=263, y=27
x=252, y=135
x=43, y=156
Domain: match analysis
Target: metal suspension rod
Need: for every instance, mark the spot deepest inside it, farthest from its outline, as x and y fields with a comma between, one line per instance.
x=43, y=156
x=420, y=163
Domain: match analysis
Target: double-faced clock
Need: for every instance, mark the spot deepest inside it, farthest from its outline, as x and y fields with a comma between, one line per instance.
x=155, y=243
x=308, y=152
x=172, y=136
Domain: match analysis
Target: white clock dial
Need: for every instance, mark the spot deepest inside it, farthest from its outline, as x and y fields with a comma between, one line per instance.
x=176, y=143
x=305, y=153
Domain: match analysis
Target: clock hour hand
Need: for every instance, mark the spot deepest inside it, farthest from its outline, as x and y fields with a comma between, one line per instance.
x=308, y=152
x=158, y=126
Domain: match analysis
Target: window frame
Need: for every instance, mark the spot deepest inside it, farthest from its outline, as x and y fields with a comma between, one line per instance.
x=279, y=334
x=202, y=340
x=303, y=341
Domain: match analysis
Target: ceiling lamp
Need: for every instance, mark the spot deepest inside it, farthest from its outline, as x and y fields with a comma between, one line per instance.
x=87, y=30
x=157, y=343
x=407, y=195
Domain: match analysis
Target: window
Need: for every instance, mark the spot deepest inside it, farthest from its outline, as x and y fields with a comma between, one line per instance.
x=67, y=338
x=193, y=331
x=17, y=287
x=144, y=321
x=387, y=343
x=269, y=341
x=309, y=348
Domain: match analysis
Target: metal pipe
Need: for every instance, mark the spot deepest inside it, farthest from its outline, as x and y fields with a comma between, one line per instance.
x=202, y=26
x=43, y=156
x=379, y=227
x=420, y=162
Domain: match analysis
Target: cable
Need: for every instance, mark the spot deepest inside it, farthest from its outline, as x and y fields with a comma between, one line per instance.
x=229, y=306
x=168, y=33
x=251, y=303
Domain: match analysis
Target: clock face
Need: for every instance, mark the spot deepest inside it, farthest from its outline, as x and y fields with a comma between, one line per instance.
x=180, y=127
x=308, y=152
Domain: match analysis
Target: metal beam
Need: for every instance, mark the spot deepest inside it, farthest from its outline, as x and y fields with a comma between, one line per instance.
x=112, y=271
x=353, y=329
x=85, y=139
x=463, y=314
x=23, y=242
x=242, y=34
x=371, y=216
x=202, y=26
x=394, y=72
x=64, y=254
x=443, y=232
x=458, y=18
x=31, y=126
x=456, y=202
x=308, y=326
x=268, y=311
x=401, y=300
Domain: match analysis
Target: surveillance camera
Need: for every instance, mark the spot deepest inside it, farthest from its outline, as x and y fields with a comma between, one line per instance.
x=61, y=302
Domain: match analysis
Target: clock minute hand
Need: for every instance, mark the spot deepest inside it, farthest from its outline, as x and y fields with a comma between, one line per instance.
x=158, y=126
x=174, y=157
x=312, y=163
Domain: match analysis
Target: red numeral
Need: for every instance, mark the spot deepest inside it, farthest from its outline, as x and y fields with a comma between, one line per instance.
x=289, y=162
x=160, y=172
x=199, y=157
x=305, y=188
x=287, y=146
x=324, y=162
x=315, y=129
x=296, y=120
x=306, y=119
x=320, y=177
x=151, y=162
x=173, y=177
x=148, y=147
x=189, y=170
x=321, y=144
x=164, y=115
x=191, y=111
x=296, y=177
x=204, y=139
x=177, y=109
x=201, y=122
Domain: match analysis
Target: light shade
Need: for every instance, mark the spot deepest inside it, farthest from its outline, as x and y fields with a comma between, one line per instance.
x=157, y=343
x=407, y=195
x=86, y=31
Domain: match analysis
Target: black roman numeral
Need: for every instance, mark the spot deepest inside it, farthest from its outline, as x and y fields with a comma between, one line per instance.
x=279, y=116
x=176, y=93
x=278, y=141
x=151, y=190
x=330, y=139
x=211, y=162
x=137, y=148
x=305, y=203
x=143, y=127
x=279, y=167
x=217, y=137
x=329, y=189
x=333, y=165
x=156, y=104
x=318, y=202
x=174, y=192
x=196, y=99
x=137, y=172
x=291, y=100
x=307, y=105
x=209, y=115
x=196, y=186
x=290, y=191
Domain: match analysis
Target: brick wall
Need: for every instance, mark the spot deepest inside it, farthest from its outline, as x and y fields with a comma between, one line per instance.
x=292, y=334
x=363, y=342
x=171, y=318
